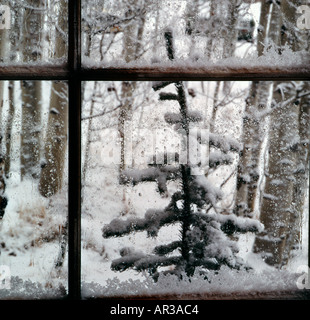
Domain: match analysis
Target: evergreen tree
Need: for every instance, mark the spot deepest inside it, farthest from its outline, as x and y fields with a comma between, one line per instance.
x=205, y=236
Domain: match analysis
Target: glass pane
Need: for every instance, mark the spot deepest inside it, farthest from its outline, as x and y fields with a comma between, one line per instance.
x=33, y=189
x=194, y=187
x=33, y=31
x=134, y=32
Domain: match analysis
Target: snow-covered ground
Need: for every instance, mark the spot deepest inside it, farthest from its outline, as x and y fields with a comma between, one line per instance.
x=30, y=232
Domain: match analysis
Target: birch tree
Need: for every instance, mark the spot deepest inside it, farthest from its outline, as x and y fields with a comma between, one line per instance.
x=31, y=92
x=253, y=122
x=281, y=205
x=52, y=165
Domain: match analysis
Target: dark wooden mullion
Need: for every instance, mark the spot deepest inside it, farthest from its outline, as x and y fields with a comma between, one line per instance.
x=35, y=72
x=64, y=71
x=158, y=73
x=74, y=218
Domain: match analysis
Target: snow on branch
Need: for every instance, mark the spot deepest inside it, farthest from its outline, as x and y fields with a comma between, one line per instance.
x=165, y=249
x=176, y=118
x=225, y=144
x=217, y=158
x=231, y=223
x=152, y=221
x=160, y=174
x=150, y=262
x=205, y=191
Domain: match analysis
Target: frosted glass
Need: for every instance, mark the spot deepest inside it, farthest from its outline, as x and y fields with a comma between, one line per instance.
x=33, y=32
x=131, y=33
x=194, y=187
x=33, y=190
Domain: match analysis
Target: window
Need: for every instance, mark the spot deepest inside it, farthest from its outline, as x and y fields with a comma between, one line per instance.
x=188, y=148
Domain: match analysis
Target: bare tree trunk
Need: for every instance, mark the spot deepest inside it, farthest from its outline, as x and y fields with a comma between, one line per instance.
x=301, y=176
x=56, y=140
x=248, y=172
x=31, y=95
x=51, y=179
x=3, y=57
x=245, y=165
x=131, y=48
x=277, y=201
x=3, y=199
x=89, y=129
x=284, y=193
x=8, y=135
x=2, y=127
x=31, y=129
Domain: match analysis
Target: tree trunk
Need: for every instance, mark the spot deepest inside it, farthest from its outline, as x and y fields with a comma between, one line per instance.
x=131, y=48
x=248, y=171
x=284, y=193
x=31, y=129
x=31, y=95
x=56, y=140
x=8, y=135
x=277, y=200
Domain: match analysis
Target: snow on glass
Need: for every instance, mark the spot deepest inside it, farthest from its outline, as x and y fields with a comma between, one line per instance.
x=207, y=34
x=36, y=32
x=138, y=205
x=202, y=241
x=33, y=190
x=178, y=227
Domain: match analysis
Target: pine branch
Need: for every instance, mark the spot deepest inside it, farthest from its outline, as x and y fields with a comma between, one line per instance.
x=160, y=174
x=165, y=249
x=152, y=221
x=153, y=262
x=168, y=96
x=225, y=144
x=217, y=159
x=126, y=262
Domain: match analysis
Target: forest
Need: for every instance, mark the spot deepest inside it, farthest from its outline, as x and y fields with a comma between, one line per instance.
x=186, y=185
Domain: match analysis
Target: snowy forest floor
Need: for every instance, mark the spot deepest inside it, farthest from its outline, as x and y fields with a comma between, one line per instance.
x=30, y=244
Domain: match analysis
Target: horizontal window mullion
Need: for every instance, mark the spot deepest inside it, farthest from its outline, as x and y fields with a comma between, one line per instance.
x=34, y=72
x=154, y=73
x=195, y=73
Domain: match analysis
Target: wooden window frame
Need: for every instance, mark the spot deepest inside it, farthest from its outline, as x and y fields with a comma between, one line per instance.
x=74, y=73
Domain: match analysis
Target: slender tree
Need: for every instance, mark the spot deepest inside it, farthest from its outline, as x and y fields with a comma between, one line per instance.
x=31, y=92
x=283, y=197
x=253, y=124
x=52, y=165
x=203, y=239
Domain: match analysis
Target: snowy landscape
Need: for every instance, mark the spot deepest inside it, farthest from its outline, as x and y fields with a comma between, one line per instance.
x=188, y=187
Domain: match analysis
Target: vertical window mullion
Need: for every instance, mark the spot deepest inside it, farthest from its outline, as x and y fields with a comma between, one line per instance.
x=74, y=61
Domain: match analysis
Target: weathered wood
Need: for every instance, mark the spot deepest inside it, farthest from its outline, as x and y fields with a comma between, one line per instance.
x=61, y=72
x=239, y=295
x=198, y=73
x=34, y=72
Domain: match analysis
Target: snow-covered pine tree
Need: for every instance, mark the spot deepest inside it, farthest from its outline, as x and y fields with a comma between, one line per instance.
x=205, y=235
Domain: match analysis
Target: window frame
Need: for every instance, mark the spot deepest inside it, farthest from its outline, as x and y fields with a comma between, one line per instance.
x=74, y=73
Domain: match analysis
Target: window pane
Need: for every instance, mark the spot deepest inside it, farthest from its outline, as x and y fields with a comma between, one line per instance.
x=132, y=32
x=206, y=181
x=33, y=189
x=33, y=31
